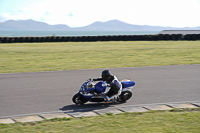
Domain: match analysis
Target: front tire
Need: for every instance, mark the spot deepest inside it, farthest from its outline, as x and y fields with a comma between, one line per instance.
x=125, y=95
x=79, y=99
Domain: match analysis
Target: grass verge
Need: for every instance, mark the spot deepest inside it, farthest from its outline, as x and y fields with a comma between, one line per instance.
x=177, y=121
x=32, y=57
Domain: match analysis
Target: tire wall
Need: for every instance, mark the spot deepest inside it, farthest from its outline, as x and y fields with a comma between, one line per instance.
x=158, y=37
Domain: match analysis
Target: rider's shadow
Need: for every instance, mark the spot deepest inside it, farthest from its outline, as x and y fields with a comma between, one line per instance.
x=88, y=107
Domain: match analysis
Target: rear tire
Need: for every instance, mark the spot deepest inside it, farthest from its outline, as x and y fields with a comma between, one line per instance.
x=79, y=99
x=125, y=95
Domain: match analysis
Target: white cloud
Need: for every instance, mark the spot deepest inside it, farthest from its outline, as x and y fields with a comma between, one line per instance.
x=7, y=16
x=76, y=13
x=20, y=14
x=25, y=9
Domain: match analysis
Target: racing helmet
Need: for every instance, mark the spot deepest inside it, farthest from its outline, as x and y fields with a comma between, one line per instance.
x=105, y=75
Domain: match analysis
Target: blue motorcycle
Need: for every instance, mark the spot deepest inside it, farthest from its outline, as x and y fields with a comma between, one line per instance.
x=92, y=91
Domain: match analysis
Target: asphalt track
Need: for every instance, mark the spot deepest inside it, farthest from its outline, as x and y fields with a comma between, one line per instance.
x=26, y=93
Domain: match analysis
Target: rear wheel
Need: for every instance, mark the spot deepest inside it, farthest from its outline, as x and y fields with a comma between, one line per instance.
x=79, y=99
x=125, y=95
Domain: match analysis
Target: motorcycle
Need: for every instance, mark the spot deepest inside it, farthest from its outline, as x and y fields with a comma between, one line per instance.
x=92, y=91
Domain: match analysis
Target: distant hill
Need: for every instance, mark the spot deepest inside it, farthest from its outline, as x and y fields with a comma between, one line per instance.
x=112, y=25
x=30, y=25
x=116, y=25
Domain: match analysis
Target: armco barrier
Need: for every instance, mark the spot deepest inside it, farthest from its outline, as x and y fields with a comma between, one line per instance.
x=158, y=37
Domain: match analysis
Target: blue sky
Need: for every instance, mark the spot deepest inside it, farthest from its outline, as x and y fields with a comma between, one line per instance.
x=77, y=13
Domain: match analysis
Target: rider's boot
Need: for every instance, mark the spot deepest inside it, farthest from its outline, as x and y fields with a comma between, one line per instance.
x=107, y=99
x=110, y=100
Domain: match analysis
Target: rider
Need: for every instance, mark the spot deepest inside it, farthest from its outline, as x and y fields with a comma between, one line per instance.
x=114, y=86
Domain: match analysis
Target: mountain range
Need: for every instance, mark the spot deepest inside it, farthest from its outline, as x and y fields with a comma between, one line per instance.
x=112, y=25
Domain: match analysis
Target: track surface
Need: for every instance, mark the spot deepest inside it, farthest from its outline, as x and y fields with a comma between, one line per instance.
x=24, y=93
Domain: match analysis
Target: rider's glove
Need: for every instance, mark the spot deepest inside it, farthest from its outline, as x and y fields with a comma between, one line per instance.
x=108, y=85
x=89, y=79
x=94, y=79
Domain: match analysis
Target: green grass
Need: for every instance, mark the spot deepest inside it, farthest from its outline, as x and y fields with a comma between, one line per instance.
x=175, y=121
x=31, y=57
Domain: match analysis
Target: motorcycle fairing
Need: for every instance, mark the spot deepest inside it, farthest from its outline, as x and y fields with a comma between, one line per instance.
x=127, y=84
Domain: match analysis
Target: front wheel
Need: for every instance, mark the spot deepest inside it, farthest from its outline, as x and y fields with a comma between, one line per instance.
x=125, y=95
x=79, y=99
